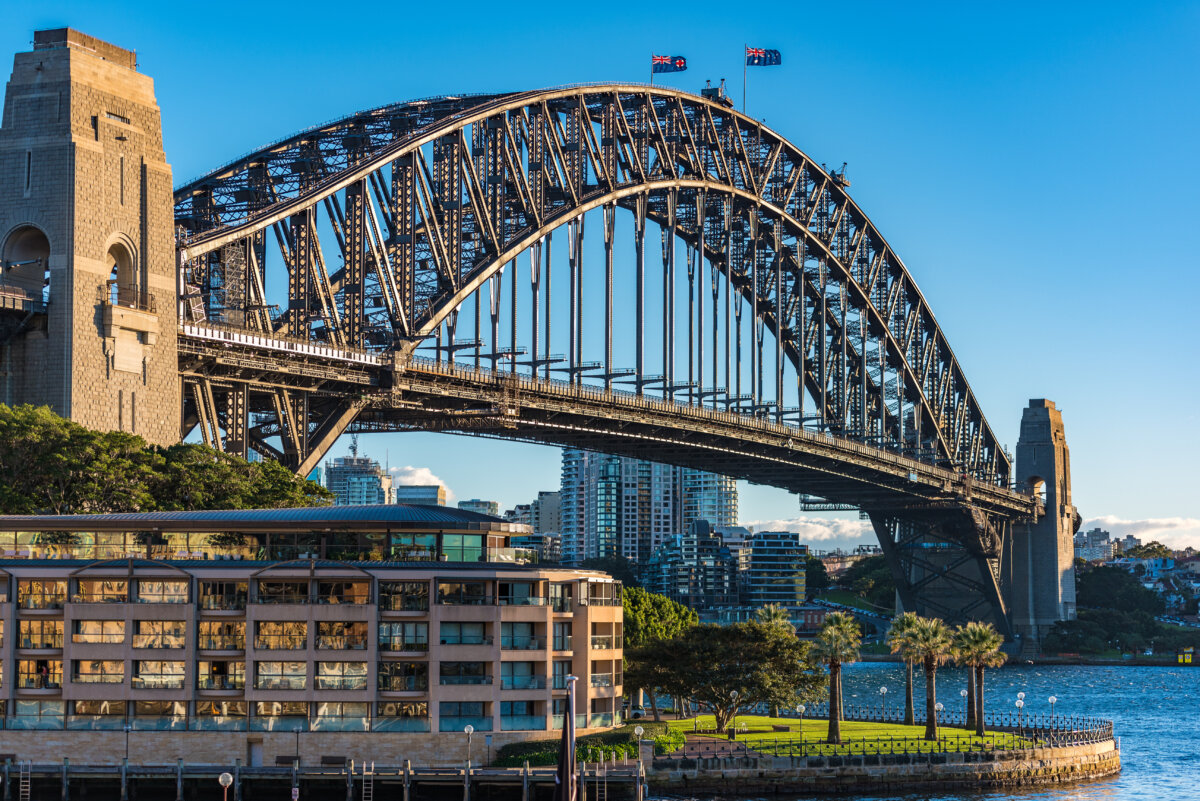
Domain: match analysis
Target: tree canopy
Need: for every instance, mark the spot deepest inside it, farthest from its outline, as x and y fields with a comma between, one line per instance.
x=816, y=577
x=871, y=579
x=1115, y=588
x=650, y=617
x=1150, y=550
x=50, y=465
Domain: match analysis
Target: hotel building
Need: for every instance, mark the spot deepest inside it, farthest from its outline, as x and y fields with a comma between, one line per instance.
x=373, y=632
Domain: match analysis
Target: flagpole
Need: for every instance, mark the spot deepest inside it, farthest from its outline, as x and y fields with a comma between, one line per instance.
x=744, y=46
x=652, y=69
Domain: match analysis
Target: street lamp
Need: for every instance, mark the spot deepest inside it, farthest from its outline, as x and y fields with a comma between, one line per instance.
x=963, y=695
x=468, y=730
x=733, y=696
x=638, y=731
x=800, y=709
x=225, y=779
x=1020, y=706
x=1053, y=700
x=883, y=703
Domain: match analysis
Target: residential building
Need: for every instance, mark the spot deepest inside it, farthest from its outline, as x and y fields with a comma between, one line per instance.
x=1093, y=546
x=694, y=569
x=520, y=514
x=547, y=547
x=482, y=507
x=1126, y=543
x=619, y=506
x=356, y=480
x=774, y=568
x=545, y=513
x=421, y=494
x=806, y=619
x=394, y=627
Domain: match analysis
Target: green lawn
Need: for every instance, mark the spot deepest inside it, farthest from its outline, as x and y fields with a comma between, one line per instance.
x=857, y=737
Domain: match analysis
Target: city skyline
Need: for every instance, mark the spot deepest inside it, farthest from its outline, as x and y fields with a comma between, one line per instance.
x=968, y=100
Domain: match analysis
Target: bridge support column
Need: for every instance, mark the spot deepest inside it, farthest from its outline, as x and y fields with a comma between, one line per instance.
x=1039, y=568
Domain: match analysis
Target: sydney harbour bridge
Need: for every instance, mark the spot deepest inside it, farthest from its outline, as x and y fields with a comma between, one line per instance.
x=619, y=267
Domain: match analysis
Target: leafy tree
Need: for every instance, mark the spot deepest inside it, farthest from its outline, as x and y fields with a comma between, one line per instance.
x=1150, y=550
x=650, y=620
x=898, y=640
x=763, y=663
x=620, y=568
x=977, y=645
x=775, y=615
x=871, y=579
x=837, y=643
x=1115, y=588
x=930, y=642
x=816, y=577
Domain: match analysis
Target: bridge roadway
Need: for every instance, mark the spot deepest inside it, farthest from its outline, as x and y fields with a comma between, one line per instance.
x=391, y=392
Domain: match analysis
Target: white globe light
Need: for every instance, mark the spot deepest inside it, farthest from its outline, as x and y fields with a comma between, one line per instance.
x=1021, y=696
x=801, y=709
x=1052, y=700
x=883, y=690
x=468, y=729
x=963, y=693
x=1020, y=703
x=938, y=706
x=638, y=731
x=225, y=779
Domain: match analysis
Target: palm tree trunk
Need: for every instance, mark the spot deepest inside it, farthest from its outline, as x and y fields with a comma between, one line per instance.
x=979, y=701
x=931, y=732
x=970, y=724
x=910, y=712
x=834, y=735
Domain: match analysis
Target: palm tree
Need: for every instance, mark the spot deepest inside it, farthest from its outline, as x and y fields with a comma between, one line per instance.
x=930, y=642
x=774, y=615
x=897, y=640
x=964, y=655
x=837, y=644
x=986, y=643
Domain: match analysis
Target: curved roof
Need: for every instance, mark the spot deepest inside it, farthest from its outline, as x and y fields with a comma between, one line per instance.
x=381, y=516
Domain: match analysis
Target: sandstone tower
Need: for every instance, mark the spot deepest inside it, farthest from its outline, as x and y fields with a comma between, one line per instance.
x=1042, y=554
x=88, y=288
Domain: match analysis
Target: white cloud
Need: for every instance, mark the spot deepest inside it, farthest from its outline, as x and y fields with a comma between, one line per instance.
x=830, y=533
x=1177, y=532
x=409, y=475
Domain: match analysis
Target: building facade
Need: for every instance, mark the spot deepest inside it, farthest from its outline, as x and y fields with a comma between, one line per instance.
x=421, y=494
x=482, y=507
x=619, y=506
x=694, y=569
x=357, y=480
x=774, y=568
x=204, y=630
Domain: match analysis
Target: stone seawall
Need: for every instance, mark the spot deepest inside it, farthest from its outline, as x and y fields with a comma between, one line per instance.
x=884, y=773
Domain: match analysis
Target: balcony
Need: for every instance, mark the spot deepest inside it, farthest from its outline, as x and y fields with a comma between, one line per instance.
x=42, y=642
x=96, y=722
x=40, y=722
x=280, y=683
x=159, y=641
x=522, y=723
x=341, y=642
x=223, y=603
x=462, y=680
x=98, y=678
x=284, y=598
x=521, y=643
x=468, y=639
x=158, y=681
x=159, y=723
x=281, y=642
x=41, y=601
x=560, y=604
x=403, y=684
x=341, y=683
x=112, y=597
x=602, y=720
x=352, y=723
x=605, y=642
x=218, y=723
x=559, y=682
x=522, y=600
x=602, y=680
x=563, y=643
x=523, y=683
x=457, y=723
x=410, y=724
x=398, y=644
x=221, y=683
x=404, y=603
x=98, y=639
x=221, y=642
x=558, y=721
x=466, y=600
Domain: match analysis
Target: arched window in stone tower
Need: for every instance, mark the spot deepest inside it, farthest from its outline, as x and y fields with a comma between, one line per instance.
x=26, y=261
x=122, y=288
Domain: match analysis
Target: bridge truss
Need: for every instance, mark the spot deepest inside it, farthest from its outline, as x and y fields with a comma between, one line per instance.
x=424, y=266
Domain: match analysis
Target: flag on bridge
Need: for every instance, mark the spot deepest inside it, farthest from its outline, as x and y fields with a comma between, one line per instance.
x=667, y=64
x=566, y=783
x=758, y=57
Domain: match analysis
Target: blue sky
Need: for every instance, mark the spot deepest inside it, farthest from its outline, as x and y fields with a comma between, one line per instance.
x=1034, y=164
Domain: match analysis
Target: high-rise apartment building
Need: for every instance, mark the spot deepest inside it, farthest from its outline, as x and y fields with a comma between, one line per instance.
x=774, y=564
x=482, y=507
x=545, y=513
x=356, y=480
x=421, y=494
x=695, y=569
x=619, y=506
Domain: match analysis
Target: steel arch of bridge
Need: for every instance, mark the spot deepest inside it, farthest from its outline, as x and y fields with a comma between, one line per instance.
x=430, y=204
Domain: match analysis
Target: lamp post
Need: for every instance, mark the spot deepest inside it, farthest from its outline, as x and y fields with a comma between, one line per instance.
x=225, y=779
x=883, y=703
x=733, y=696
x=468, y=730
x=638, y=731
x=1020, y=714
x=800, y=709
x=1053, y=700
x=963, y=695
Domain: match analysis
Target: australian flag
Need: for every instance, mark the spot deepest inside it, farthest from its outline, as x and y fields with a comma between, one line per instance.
x=757, y=57
x=668, y=64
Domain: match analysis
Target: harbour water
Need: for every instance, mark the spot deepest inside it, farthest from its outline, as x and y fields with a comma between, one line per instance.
x=1153, y=708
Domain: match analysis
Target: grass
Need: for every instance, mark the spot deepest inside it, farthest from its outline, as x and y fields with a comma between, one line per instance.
x=857, y=737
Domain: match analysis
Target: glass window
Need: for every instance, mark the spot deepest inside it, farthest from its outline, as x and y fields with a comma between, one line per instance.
x=414, y=547
x=560, y=597
x=333, y=635
x=157, y=674
x=101, y=591
x=470, y=593
x=401, y=716
x=222, y=595
x=343, y=592
x=512, y=708
x=341, y=675
x=465, y=673
x=454, y=715
x=98, y=631
x=468, y=633
x=282, y=592
x=160, y=634
x=562, y=636
x=40, y=634
x=519, y=636
x=280, y=716
x=97, y=715
x=39, y=674
x=281, y=635
x=280, y=675
x=462, y=547
x=97, y=671
x=404, y=596
x=41, y=594
x=341, y=716
x=521, y=676
x=404, y=636
x=36, y=714
x=159, y=715
x=519, y=593
x=604, y=593
x=403, y=676
x=219, y=715
x=220, y=675
x=461, y=708
x=221, y=635
x=158, y=591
